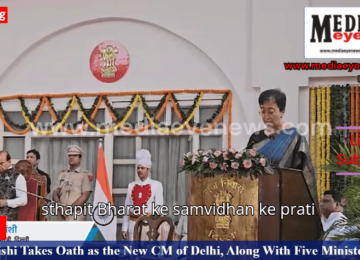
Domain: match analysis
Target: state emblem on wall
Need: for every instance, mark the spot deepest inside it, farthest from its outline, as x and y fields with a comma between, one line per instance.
x=109, y=61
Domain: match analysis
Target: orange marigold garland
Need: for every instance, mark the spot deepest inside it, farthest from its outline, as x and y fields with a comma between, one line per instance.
x=312, y=127
x=24, y=131
x=83, y=126
x=323, y=140
x=146, y=127
x=227, y=105
x=118, y=94
x=318, y=141
x=212, y=125
x=328, y=110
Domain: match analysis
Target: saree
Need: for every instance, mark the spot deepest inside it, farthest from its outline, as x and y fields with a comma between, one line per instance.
x=287, y=149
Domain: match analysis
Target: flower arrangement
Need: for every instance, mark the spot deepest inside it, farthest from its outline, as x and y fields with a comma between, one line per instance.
x=229, y=161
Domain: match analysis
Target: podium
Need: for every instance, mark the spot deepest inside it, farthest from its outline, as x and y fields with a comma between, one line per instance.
x=36, y=184
x=286, y=187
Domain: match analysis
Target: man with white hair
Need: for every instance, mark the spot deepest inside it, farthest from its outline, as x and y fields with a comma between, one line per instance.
x=143, y=191
x=12, y=189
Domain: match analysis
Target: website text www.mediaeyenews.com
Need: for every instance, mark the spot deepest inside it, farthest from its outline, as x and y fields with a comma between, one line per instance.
x=333, y=65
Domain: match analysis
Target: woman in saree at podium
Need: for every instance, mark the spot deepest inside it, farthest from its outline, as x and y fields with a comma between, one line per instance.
x=282, y=145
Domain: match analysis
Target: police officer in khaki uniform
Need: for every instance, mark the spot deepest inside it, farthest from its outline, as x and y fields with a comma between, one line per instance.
x=74, y=184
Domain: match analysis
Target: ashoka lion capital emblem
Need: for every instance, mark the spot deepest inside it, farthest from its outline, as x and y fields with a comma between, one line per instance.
x=223, y=196
x=109, y=61
x=108, y=55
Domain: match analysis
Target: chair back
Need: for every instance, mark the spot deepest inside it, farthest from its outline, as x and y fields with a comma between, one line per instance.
x=153, y=223
x=35, y=184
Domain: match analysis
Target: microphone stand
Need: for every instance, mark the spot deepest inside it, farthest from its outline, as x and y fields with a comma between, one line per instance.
x=40, y=197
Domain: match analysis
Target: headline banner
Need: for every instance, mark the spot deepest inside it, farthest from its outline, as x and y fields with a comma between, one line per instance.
x=191, y=250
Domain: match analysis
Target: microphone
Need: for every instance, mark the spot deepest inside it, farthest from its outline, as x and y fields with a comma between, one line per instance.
x=250, y=144
x=32, y=194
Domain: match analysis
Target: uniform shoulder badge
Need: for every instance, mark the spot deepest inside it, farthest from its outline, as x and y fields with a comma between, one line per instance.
x=90, y=177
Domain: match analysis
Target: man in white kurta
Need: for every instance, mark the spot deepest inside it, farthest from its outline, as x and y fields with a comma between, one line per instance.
x=335, y=217
x=143, y=191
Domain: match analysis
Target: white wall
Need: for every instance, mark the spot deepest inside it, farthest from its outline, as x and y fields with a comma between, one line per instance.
x=235, y=44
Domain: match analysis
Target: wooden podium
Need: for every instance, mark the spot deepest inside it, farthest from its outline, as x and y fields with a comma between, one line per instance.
x=286, y=187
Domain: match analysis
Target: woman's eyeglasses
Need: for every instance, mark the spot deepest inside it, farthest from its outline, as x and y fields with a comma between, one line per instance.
x=269, y=112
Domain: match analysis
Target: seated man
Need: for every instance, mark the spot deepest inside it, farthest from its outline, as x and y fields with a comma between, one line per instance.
x=12, y=189
x=331, y=211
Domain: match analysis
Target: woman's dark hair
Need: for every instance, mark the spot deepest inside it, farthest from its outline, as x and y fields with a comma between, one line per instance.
x=276, y=95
